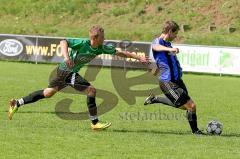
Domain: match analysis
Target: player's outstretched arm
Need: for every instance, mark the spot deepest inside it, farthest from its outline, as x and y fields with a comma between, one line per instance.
x=127, y=54
x=158, y=47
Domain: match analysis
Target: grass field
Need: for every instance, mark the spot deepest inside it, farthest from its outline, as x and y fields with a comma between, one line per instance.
x=37, y=132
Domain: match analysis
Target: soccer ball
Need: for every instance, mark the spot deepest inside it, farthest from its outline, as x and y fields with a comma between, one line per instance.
x=214, y=127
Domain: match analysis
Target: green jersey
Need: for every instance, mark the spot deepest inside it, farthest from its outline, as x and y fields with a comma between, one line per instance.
x=82, y=53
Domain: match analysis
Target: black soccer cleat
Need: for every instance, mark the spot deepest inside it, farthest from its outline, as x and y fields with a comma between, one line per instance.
x=149, y=99
x=199, y=132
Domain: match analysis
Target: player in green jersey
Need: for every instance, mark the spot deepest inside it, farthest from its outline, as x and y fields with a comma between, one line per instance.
x=82, y=52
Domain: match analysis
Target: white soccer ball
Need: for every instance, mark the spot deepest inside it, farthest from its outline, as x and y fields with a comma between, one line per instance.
x=214, y=127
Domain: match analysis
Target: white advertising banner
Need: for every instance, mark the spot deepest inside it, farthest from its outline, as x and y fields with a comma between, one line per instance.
x=222, y=60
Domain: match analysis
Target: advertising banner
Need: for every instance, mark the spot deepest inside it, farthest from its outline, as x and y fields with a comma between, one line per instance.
x=47, y=49
x=209, y=59
x=193, y=58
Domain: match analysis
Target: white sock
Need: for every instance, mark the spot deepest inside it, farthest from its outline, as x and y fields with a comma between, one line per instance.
x=20, y=101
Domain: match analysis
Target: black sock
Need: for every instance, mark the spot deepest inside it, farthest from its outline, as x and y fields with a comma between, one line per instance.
x=31, y=98
x=20, y=103
x=192, y=119
x=92, y=109
x=95, y=121
x=163, y=100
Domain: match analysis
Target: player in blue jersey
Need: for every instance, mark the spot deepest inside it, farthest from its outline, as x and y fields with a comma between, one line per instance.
x=170, y=77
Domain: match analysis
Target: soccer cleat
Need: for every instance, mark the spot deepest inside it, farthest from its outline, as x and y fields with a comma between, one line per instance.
x=100, y=126
x=199, y=132
x=12, y=108
x=149, y=99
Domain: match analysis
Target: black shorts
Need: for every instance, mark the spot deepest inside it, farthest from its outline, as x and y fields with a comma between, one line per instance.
x=61, y=79
x=176, y=92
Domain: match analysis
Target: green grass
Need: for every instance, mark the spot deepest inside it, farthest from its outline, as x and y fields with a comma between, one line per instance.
x=37, y=132
x=136, y=20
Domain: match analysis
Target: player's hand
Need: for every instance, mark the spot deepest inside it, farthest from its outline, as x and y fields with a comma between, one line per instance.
x=174, y=50
x=144, y=60
x=69, y=63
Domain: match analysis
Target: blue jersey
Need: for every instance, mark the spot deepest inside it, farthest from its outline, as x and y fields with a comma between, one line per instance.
x=170, y=69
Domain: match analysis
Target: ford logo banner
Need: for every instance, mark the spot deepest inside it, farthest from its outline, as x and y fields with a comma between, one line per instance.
x=11, y=47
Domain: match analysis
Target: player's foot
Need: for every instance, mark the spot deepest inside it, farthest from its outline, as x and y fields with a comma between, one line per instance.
x=100, y=126
x=12, y=108
x=199, y=132
x=149, y=99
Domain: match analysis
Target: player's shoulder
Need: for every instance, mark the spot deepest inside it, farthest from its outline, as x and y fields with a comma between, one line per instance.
x=155, y=41
x=164, y=43
x=78, y=40
x=159, y=41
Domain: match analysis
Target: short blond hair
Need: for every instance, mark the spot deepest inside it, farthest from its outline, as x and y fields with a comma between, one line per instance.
x=95, y=31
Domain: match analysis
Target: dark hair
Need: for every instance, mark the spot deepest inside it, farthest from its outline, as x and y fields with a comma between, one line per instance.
x=170, y=26
x=95, y=31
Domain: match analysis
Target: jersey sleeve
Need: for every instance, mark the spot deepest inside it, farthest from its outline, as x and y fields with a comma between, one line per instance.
x=108, y=49
x=155, y=41
x=75, y=43
x=158, y=41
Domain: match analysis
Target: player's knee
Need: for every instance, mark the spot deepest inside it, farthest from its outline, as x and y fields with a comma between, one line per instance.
x=192, y=106
x=49, y=92
x=92, y=91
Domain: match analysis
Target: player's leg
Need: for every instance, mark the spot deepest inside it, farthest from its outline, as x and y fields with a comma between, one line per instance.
x=178, y=95
x=191, y=114
x=151, y=99
x=14, y=104
x=91, y=103
x=186, y=103
x=55, y=84
x=37, y=95
x=169, y=99
x=81, y=84
x=92, y=108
